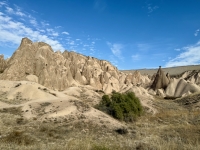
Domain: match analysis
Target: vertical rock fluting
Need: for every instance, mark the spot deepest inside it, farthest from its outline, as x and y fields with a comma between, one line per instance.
x=3, y=64
x=161, y=81
x=58, y=70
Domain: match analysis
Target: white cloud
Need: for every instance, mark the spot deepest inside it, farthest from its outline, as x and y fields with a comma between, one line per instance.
x=190, y=56
x=51, y=32
x=16, y=11
x=196, y=32
x=44, y=23
x=20, y=14
x=116, y=49
x=67, y=33
x=33, y=22
x=9, y=10
x=12, y=31
x=3, y=4
x=71, y=43
x=16, y=24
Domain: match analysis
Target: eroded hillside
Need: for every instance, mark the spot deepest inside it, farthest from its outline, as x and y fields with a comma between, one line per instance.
x=48, y=101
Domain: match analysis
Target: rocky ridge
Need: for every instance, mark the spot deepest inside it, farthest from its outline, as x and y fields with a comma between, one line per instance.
x=36, y=61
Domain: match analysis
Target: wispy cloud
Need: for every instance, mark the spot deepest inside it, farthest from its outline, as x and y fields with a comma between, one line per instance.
x=44, y=23
x=177, y=49
x=9, y=10
x=13, y=28
x=135, y=57
x=3, y=3
x=18, y=11
x=33, y=22
x=67, y=33
x=116, y=49
x=190, y=56
x=113, y=60
x=196, y=32
x=16, y=23
x=151, y=8
x=15, y=11
x=52, y=32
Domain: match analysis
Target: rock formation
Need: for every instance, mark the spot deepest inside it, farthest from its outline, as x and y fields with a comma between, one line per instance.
x=192, y=76
x=161, y=80
x=3, y=64
x=39, y=63
x=180, y=87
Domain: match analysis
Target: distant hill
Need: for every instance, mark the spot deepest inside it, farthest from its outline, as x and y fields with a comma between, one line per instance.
x=171, y=70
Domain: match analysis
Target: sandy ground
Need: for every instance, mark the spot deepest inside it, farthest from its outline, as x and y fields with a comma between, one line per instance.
x=71, y=105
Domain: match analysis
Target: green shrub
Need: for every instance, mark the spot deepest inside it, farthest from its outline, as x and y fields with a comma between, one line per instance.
x=106, y=100
x=124, y=106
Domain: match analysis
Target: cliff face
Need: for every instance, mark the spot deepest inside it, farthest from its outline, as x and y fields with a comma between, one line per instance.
x=38, y=62
x=3, y=64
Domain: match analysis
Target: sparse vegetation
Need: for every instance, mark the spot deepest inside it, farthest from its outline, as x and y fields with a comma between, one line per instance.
x=174, y=127
x=125, y=107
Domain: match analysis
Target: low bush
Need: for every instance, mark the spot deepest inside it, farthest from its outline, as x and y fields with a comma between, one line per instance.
x=19, y=137
x=125, y=107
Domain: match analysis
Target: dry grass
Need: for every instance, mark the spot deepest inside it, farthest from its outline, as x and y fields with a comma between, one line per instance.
x=174, y=127
x=18, y=99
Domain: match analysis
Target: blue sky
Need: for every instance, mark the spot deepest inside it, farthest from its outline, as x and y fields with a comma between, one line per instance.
x=131, y=34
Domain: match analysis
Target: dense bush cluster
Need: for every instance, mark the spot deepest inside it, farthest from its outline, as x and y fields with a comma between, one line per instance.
x=124, y=106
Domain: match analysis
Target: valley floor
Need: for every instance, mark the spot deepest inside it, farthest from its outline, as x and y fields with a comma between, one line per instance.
x=173, y=127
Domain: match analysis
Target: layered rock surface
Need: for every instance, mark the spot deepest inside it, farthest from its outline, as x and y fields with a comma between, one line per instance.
x=192, y=76
x=163, y=86
x=39, y=63
x=3, y=64
x=180, y=87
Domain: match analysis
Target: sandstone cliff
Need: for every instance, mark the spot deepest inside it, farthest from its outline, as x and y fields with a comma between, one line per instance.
x=39, y=63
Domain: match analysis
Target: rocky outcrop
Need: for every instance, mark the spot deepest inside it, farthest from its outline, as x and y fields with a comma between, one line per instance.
x=161, y=80
x=39, y=63
x=180, y=87
x=192, y=76
x=3, y=64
